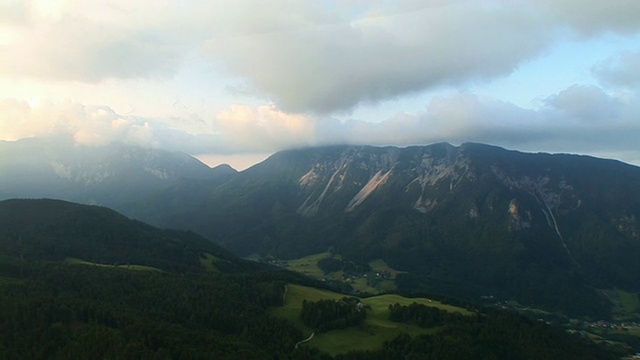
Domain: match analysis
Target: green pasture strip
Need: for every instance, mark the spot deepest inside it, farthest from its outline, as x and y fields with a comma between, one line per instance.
x=626, y=305
x=375, y=330
x=75, y=261
x=308, y=265
x=381, y=266
x=383, y=301
x=208, y=262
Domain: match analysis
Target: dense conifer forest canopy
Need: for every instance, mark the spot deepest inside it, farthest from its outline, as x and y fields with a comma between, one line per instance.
x=192, y=304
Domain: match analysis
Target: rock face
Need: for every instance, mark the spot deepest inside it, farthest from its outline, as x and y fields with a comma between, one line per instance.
x=468, y=221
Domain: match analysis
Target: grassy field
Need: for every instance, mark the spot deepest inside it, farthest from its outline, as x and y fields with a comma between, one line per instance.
x=370, y=335
x=373, y=284
x=380, y=279
x=381, y=266
x=126, y=267
x=308, y=265
x=525, y=309
x=626, y=306
x=208, y=262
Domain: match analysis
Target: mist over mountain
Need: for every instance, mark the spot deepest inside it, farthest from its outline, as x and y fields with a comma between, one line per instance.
x=117, y=175
x=470, y=221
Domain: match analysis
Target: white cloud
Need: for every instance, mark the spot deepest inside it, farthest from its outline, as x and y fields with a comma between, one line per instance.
x=589, y=17
x=87, y=125
x=75, y=48
x=240, y=128
x=580, y=119
x=387, y=51
x=306, y=56
x=621, y=70
x=585, y=104
x=90, y=41
x=335, y=66
x=263, y=128
x=311, y=61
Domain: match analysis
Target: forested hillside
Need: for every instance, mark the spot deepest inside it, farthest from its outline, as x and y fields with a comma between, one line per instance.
x=71, y=290
x=556, y=232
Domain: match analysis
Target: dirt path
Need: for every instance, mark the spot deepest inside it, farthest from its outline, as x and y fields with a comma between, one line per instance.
x=304, y=341
x=284, y=296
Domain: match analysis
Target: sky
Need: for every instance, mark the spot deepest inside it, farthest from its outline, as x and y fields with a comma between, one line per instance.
x=235, y=81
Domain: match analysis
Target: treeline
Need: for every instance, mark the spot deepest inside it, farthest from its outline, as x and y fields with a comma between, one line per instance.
x=325, y=315
x=423, y=316
x=328, y=265
x=61, y=311
x=486, y=335
x=53, y=230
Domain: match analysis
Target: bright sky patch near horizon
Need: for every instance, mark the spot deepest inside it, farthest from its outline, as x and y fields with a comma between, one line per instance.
x=234, y=81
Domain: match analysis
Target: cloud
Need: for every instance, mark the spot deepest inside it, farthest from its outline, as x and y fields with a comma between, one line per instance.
x=331, y=67
x=238, y=129
x=590, y=17
x=387, y=51
x=76, y=48
x=90, y=41
x=584, y=104
x=306, y=56
x=580, y=119
x=12, y=12
x=95, y=125
x=85, y=124
x=622, y=70
x=263, y=128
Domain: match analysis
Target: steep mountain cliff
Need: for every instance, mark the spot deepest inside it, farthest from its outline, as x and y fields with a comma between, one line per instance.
x=470, y=221
x=552, y=231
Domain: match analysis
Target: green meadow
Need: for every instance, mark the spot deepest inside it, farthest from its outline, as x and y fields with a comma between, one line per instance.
x=375, y=330
x=308, y=265
x=208, y=262
x=370, y=283
x=626, y=305
x=75, y=261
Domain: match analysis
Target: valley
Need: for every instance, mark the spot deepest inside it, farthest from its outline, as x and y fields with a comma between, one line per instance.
x=372, y=278
x=375, y=330
x=554, y=237
x=622, y=333
x=78, y=291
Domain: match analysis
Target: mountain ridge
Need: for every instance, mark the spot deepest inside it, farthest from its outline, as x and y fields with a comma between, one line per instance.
x=55, y=230
x=476, y=215
x=116, y=175
x=549, y=230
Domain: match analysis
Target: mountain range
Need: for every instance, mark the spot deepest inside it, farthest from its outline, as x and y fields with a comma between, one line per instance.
x=554, y=231
x=116, y=175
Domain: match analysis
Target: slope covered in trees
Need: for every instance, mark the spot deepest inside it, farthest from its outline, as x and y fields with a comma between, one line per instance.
x=549, y=231
x=187, y=309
